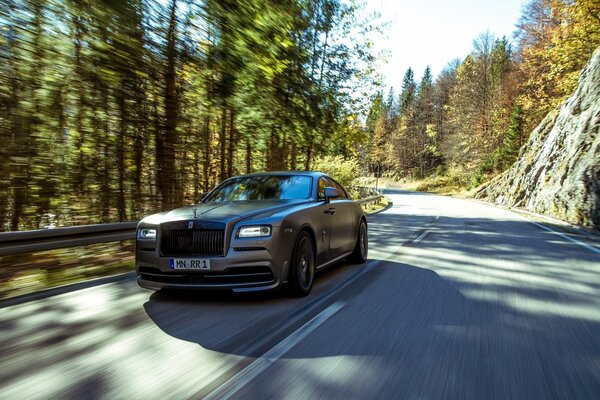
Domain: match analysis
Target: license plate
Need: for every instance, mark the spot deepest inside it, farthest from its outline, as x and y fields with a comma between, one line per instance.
x=190, y=263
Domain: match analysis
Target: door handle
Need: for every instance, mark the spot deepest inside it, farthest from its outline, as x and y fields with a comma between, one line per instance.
x=330, y=211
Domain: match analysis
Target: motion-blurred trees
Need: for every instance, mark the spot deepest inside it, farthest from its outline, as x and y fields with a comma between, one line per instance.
x=112, y=108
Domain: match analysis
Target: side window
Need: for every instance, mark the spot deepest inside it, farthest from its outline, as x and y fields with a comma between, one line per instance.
x=321, y=189
x=332, y=183
x=343, y=194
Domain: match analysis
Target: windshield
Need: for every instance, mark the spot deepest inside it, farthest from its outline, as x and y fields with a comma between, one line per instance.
x=269, y=187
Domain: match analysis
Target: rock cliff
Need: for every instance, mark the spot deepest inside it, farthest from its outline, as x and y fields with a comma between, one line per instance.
x=558, y=171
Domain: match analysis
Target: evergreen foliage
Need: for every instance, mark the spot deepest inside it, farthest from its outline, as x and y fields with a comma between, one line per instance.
x=471, y=121
x=112, y=109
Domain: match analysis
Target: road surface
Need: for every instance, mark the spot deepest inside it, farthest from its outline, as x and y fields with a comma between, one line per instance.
x=458, y=300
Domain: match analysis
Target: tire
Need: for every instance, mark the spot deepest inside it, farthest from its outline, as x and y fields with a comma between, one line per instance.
x=302, y=272
x=361, y=249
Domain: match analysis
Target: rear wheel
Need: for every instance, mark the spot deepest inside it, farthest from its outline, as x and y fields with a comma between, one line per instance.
x=302, y=273
x=361, y=249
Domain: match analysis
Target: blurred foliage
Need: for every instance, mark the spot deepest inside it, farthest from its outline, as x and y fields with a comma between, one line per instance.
x=27, y=273
x=113, y=109
x=470, y=123
x=110, y=110
x=343, y=170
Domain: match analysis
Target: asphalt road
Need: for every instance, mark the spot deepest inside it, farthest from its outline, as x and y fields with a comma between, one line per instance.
x=458, y=300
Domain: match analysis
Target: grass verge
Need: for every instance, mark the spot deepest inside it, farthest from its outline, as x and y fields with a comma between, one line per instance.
x=27, y=273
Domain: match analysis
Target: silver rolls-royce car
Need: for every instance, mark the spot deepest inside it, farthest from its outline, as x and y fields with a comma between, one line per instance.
x=253, y=232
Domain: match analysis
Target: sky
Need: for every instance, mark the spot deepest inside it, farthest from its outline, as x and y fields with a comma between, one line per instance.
x=433, y=32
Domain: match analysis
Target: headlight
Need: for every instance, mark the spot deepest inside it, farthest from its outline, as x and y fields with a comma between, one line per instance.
x=146, y=234
x=254, y=231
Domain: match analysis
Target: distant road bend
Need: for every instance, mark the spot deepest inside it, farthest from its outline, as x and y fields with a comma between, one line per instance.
x=458, y=300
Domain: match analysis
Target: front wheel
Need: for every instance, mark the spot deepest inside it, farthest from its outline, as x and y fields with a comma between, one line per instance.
x=302, y=273
x=361, y=249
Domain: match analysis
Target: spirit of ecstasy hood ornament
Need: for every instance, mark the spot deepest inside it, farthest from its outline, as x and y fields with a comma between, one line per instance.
x=194, y=210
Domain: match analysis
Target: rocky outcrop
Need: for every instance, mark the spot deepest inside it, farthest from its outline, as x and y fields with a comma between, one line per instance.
x=558, y=171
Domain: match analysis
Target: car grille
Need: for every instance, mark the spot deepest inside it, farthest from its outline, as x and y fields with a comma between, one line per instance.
x=192, y=243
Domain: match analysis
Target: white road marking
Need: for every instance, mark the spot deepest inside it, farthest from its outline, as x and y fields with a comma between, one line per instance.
x=565, y=236
x=420, y=237
x=518, y=212
x=246, y=375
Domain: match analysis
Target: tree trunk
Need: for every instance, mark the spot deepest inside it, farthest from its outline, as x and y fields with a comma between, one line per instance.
x=277, y=156
x=248, y=156
x=160, y=154
x=103, y=168
x=223, y=142
x=309, y=152
x=168, y=163
x=138, y=152
x=294, y=156
x=10, y=136
x=196, y=172
x=183, y=165
x=121, y=152
x=206, y=164
x=79, y=181
x=232, y=137
x=25, y=135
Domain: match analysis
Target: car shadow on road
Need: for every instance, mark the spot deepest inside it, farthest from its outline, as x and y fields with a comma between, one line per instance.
x=228, y=322
x=479, y=306
x=221, y=321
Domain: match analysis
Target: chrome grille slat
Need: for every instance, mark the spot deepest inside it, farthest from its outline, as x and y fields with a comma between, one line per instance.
x=192, y=242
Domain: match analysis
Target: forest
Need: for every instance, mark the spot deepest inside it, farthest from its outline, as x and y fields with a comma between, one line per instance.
x=469, y=123
x=113, y=109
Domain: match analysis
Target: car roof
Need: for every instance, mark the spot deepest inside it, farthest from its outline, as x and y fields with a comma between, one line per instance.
x=285, y=173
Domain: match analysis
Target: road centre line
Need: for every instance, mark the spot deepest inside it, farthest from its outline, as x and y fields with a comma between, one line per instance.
x=244, y=376
x=313, y=305
x=238, y=381
x=420, y=237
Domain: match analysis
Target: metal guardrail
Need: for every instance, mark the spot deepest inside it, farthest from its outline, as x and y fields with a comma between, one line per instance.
x=373, y=195
x=366, y=189
x=372, y=199
x=58, y=238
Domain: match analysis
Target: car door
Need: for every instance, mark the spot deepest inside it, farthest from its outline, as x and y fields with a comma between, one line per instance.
x=328, y=216
x=343, y=235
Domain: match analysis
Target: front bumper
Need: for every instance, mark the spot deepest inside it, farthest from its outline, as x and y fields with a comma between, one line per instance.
x=241, y=270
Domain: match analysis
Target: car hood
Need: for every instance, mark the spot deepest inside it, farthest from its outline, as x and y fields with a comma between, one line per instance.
x=222, y=212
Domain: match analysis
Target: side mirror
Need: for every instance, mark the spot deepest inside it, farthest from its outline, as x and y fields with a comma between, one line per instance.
x=331, y=193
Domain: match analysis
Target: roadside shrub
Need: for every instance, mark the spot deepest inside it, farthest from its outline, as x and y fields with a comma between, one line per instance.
x=343, y=170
